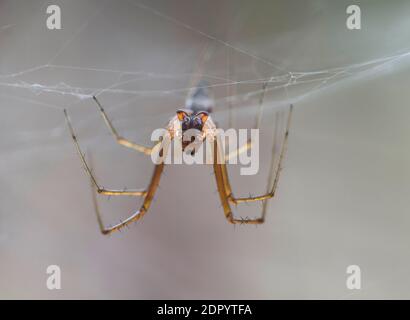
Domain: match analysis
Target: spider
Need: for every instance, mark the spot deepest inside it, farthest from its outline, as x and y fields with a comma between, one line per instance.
x=196, y=115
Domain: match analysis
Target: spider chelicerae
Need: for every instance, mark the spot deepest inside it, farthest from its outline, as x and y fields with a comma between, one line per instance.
x=196, y=116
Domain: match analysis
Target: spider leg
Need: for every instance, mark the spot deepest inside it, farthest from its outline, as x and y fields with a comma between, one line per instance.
x=125, y=142
x=237, y=152
x=258, y=120
x=225, y=190
x=101, y=190
x=277, y=171
x=136, y=215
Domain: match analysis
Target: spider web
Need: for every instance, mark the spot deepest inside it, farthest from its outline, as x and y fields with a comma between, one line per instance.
x=172, y=51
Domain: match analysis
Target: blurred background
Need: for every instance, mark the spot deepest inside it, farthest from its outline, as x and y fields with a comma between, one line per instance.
x=343, y=194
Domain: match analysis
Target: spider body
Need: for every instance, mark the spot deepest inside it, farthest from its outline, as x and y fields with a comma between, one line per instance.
x=192, y=120
x=193, y=126
x=195, y=122
x=200, y=99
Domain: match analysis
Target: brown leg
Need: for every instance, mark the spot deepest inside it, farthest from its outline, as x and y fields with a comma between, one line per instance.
x=108, y=192
x=138, y=214
x=148, y=195
x=258, y=120
x=121, y=140
x=225, y=190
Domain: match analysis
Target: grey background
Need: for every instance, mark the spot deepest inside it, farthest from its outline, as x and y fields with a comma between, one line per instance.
x=343, y=195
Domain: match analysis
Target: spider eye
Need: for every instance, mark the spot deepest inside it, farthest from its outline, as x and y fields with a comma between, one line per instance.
x=182, y=115
x=203, y=116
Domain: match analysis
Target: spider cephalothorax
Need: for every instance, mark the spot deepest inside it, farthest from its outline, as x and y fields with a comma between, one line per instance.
x=190, y=120
x=192, y=126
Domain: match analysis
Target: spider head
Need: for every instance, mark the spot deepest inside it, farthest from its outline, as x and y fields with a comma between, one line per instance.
x=192, y=121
